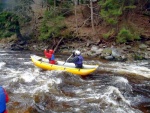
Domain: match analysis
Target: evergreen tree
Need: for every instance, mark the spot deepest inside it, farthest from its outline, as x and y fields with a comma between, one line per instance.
x=53, y=18
x=1, y=6
x=111, y=10
x=9, y=25
x=12, y=14
x=22, y=8
x=51, y=25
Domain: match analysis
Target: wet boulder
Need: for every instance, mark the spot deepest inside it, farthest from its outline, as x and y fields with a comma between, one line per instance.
x=113, y=54
x=19, y=45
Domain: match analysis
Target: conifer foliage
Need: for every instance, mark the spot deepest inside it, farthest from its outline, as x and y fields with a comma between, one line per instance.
x=52, y=23
x=9, y=25
x=111, y=11
x=13, y=14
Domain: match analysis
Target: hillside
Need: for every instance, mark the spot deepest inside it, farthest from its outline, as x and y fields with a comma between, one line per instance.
x=79, y=25
x=137, y=18
x=79, y=31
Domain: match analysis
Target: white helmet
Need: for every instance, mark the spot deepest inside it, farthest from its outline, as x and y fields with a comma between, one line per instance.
x=77, y=52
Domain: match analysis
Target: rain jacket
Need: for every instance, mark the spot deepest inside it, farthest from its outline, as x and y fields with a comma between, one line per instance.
x=50, y=56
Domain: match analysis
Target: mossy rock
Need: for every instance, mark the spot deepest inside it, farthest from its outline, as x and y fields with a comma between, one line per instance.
x=138, y=57
x=107, y=51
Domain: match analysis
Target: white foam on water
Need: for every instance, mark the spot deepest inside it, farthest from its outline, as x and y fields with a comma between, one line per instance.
x=43, y=82
x=127, y=68
x=110, y=90
x=27, y=76
x=11, y=72
x=2, y=64
x=77, y=109
x=78, y=91
x=122, y=80
x=2, y=50
x=33, y=89
x=119, y=110
x=137, y=70
x=55, y=80
x=28, y=63
x=88, y=89
x=40, y=88
x=3, y=54
x=21, y=58
x=106, y=98
x=67, y=99
x=93, y=95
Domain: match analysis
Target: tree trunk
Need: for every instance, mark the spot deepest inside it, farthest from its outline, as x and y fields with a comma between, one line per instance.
x=92, y=19
x=19, y=36
x=75, y=11
x=76, y=2
x=54, y=4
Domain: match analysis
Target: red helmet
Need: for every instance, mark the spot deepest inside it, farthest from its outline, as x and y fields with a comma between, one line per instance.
x=51, y=51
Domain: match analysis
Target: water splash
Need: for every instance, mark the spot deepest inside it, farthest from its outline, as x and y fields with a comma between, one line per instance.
x=2, y=64
x=59, y=91
x=126, y=68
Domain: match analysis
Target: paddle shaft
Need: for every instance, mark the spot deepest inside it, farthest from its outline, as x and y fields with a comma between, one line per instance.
x=68, y=58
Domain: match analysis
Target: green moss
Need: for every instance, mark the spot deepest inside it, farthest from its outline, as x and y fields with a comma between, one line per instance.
x=138, y=57
x=8, y=24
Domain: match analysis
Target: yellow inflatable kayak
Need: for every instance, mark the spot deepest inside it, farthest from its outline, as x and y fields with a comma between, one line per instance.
x=43, y=63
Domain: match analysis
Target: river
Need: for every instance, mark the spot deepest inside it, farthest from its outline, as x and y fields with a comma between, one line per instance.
x=115, y=87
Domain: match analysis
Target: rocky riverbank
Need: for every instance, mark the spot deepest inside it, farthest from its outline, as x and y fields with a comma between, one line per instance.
x=136, y=51
x=123, y=52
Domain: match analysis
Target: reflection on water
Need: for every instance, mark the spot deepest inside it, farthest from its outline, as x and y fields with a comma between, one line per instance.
x=105, y=91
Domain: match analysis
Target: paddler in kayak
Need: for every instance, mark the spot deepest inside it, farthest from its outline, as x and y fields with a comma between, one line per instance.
x=77, y=60
x=50, y=55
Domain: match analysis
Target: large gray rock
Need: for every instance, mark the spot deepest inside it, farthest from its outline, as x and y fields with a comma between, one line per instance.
x=143, y=46
x=115, y=53
x=94, y=48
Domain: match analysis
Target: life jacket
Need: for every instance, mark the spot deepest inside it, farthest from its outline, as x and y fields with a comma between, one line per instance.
x=50, y=56
x=79, y=62
x=52, y=59
x=2, y=100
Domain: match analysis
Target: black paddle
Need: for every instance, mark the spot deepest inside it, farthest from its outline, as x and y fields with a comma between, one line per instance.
x=68, y=58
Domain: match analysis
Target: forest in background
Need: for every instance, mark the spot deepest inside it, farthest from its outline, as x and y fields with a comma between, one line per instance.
x=118, y=21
